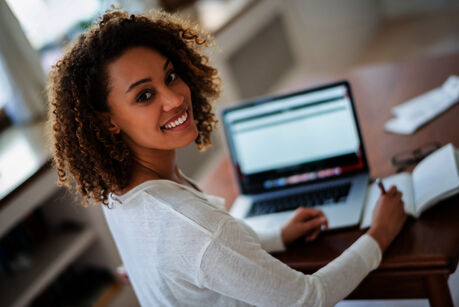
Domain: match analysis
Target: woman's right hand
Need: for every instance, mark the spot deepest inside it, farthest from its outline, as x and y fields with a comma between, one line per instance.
x=388, y=218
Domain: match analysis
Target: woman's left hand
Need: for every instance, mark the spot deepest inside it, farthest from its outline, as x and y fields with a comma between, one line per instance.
x=306, y=222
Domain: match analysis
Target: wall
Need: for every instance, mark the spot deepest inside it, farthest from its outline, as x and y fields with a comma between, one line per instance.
x=396, y=8
x=332, y=33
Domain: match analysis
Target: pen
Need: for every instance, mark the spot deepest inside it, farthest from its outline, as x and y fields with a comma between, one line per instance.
x=381, y=186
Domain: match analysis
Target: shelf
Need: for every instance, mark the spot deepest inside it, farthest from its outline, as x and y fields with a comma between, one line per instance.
x=23, y=151
x=31, y=197
x=48, y=262
x=108, y=294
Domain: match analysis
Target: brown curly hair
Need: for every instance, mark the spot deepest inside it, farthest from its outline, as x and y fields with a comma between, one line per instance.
x=87, y=156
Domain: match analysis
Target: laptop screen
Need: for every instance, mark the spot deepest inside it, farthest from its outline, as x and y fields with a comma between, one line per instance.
x=295, y=138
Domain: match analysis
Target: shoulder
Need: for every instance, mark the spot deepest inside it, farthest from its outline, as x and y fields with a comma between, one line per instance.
x=200, y=210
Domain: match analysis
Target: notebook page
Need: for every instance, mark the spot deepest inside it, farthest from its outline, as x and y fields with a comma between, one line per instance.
x=434, y=176
x=403, y=183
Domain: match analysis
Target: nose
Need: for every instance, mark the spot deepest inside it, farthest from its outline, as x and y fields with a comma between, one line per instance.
x=171, y=99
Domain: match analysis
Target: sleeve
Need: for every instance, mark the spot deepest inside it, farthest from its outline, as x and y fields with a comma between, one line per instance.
x=235, y=265
x=271, y=241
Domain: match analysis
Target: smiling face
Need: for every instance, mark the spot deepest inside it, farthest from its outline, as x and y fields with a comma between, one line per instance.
x=150, y=105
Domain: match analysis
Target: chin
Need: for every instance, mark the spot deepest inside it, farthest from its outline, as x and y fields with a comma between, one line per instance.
x=189, y=140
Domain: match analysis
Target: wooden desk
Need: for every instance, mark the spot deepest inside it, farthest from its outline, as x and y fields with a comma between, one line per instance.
x=420, y=260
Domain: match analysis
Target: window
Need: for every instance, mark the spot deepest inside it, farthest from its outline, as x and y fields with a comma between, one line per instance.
x=26, y=59
x=50, y=24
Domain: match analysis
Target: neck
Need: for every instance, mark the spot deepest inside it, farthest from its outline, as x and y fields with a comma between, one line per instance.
x=162, y=164
x=151, y=164
x=150, y=167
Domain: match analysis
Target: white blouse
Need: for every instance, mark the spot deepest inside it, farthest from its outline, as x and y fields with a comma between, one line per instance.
x=181, y=248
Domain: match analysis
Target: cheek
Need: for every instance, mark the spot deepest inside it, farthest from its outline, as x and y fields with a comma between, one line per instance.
x=184, y=89
x=138, y=121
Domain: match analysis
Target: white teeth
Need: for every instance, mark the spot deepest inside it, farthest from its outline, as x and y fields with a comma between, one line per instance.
x=177, y=122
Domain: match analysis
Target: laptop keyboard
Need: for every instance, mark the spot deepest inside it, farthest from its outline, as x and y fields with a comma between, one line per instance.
x=316, y=198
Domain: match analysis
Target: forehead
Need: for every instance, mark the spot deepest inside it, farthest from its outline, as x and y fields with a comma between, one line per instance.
x=136, y=62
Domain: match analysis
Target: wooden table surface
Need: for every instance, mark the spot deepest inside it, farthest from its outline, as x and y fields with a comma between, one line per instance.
x=419, y=261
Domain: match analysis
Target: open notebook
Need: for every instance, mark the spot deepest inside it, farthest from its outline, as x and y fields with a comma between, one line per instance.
x=436, y=177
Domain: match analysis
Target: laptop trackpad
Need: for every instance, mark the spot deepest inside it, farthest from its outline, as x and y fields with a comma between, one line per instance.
x=338, y=217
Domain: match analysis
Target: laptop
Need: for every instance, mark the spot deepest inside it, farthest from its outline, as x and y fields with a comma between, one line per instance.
x=298, y=149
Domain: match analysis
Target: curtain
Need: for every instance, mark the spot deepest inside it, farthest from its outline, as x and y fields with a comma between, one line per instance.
x=26, y=80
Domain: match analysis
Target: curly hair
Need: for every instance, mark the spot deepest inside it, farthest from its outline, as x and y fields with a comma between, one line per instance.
x=87, y=156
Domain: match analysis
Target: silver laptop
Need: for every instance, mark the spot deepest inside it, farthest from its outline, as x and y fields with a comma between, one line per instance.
x=299, y=149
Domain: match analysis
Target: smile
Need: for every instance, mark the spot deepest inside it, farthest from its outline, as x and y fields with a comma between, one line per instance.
x=177, y=122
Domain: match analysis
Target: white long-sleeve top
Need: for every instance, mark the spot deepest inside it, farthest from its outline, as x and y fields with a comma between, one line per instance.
x=181, y=248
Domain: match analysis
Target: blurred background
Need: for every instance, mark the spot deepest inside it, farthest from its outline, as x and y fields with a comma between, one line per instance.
x=54, y=253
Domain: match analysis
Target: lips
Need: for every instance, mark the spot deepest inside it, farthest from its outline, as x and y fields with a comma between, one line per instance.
x=177, y=120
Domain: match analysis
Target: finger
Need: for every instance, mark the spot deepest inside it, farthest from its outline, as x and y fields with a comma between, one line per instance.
x=392, y=191
x=397, y=194
x=312, y=236
x=313, y=224
x=303, y=213
x=324, y=225
x=311, y=211
x=320, y=214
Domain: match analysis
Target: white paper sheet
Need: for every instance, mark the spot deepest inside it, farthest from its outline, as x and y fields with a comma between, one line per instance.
x=403, y=183
x=416, y=112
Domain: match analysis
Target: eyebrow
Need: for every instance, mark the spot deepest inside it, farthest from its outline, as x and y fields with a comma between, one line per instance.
x=146, y=79
x=137, y=83
x=165, y=64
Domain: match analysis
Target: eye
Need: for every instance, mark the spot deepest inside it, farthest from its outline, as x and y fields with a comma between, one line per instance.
x=144, y=96
x=171, y=77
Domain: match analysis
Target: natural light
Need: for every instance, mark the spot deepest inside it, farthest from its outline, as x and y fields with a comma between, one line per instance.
x=45, y=22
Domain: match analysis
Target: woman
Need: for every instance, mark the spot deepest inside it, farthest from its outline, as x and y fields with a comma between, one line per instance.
x=126, y=95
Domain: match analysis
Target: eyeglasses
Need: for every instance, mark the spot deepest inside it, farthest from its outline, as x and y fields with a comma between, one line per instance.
x=406, y=159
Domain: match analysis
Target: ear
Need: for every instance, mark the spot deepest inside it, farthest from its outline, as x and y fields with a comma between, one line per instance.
x=109, y=123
